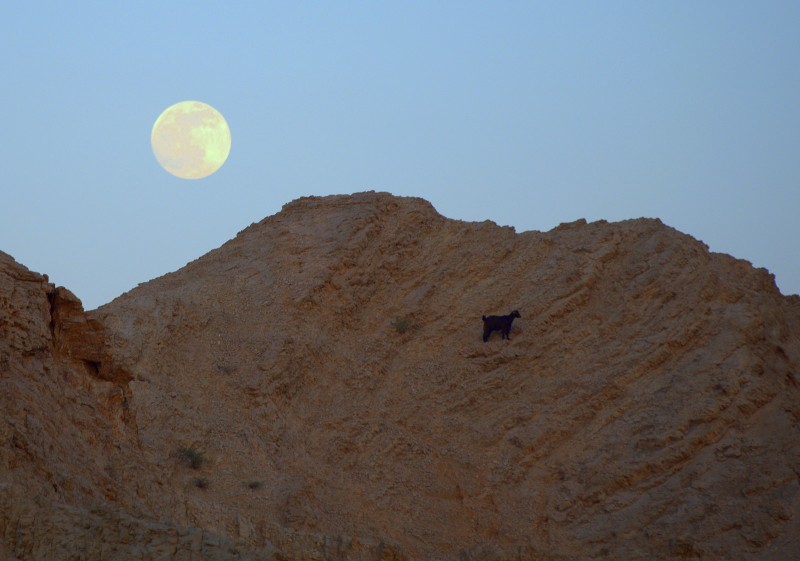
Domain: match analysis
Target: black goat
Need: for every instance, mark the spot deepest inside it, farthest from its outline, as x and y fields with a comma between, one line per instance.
x=498, y=323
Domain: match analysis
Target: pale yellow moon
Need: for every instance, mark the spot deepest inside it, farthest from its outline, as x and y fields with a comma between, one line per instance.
x=191, y=139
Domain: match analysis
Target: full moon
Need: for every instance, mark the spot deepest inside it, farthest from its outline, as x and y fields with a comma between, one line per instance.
x=191, y=140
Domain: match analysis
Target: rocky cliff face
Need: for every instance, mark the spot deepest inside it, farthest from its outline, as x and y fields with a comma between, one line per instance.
x=317, y=388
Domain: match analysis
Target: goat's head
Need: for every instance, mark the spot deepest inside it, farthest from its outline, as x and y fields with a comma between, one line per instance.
x=515, y=314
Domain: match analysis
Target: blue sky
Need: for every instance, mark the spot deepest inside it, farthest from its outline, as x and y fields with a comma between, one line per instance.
x=526, y=113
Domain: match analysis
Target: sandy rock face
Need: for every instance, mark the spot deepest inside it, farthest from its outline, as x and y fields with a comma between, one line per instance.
x=318, y=387
x=74, y=482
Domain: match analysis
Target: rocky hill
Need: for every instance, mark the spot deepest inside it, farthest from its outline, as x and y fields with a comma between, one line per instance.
x=318, y=388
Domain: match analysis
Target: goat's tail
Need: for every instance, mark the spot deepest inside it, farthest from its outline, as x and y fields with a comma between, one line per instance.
x=483, y=318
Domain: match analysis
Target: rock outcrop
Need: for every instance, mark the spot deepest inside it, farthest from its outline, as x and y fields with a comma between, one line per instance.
x=71, y=470
x=318, y=388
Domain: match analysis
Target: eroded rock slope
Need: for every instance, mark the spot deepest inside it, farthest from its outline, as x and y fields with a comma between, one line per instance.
x=326, y=369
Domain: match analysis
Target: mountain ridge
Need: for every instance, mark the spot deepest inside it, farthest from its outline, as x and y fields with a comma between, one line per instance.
x=328, y=365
